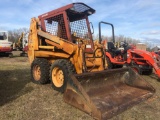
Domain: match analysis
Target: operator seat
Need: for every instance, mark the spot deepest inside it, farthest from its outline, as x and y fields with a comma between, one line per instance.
x=112, y=50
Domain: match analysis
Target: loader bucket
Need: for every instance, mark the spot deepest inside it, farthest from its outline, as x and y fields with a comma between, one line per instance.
x=107, y=93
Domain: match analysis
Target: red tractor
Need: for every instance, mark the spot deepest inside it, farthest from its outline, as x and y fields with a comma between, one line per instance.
x=142, y=61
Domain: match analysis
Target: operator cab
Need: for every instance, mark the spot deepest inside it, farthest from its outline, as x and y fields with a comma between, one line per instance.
x=68, y=22
x=3, y=36
x=78, y=20
x=5, y=45
x=113, y=50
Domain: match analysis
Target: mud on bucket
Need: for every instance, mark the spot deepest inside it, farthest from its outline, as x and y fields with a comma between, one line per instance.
x=107, y=93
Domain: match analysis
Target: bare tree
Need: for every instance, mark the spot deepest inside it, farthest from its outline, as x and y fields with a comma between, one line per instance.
x=13, y=35
x=119, y=38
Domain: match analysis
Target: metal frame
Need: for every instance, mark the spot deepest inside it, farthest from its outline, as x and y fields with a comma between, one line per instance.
x=63, y=10
x=100, y=39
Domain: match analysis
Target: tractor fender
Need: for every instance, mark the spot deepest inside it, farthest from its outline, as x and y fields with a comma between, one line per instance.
x=110, y=57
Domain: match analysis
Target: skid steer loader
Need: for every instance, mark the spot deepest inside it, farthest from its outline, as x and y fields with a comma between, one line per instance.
x=61, y=49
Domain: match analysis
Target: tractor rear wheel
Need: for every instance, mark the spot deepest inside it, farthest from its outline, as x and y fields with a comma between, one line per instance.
x=137, y=69
x=110, y=65
x=10, y=55
x=118, y=66
x=149, y=72
x=40, y=71
x=59, y=74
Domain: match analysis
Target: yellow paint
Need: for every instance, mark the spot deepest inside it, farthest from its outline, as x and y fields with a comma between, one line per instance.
x=58, y=48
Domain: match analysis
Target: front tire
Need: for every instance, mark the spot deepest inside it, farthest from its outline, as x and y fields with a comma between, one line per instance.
x=40, y=71
x=110, y=65
x=148, y=72
x=10, y=55
x=59, y=74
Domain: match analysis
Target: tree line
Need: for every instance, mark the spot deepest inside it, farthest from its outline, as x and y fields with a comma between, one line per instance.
x=119, y=38
x=13, y=36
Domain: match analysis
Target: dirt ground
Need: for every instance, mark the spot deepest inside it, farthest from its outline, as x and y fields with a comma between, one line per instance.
x=20, y=99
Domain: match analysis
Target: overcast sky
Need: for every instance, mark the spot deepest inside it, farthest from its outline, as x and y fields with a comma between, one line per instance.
x=138, y=19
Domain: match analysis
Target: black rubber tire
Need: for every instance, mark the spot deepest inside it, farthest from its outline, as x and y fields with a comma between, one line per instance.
x=67, y=67
x=110, y=65
x=118, y=66
x=149, y=72
x=137, y=69
x=23, y=54
x=44, y=66
x=10, y=55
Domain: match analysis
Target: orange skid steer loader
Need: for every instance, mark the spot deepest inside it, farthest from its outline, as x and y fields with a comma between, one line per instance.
x=61, y=50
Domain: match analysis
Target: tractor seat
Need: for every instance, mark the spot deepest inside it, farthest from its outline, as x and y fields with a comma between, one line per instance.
x=113, y=50
x=117, y=52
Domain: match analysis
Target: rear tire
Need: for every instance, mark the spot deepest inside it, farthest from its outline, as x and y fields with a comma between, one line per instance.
x=137, y=69
x=110, y=65
x=60, y=73
x=40, y=71
x=118, y=66
x=23, y=54
x=10, y=55
x=149, y=72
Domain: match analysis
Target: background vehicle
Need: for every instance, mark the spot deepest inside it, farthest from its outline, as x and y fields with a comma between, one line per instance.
x=61, y=48
x=158, y=53
x=5, y=45
x=142, y=61
x=22, y=44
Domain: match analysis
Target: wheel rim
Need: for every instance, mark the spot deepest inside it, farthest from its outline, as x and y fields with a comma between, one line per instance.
x=37, y=73
x=57, y=77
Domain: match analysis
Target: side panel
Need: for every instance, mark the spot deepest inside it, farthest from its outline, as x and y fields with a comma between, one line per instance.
x=32, y=39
